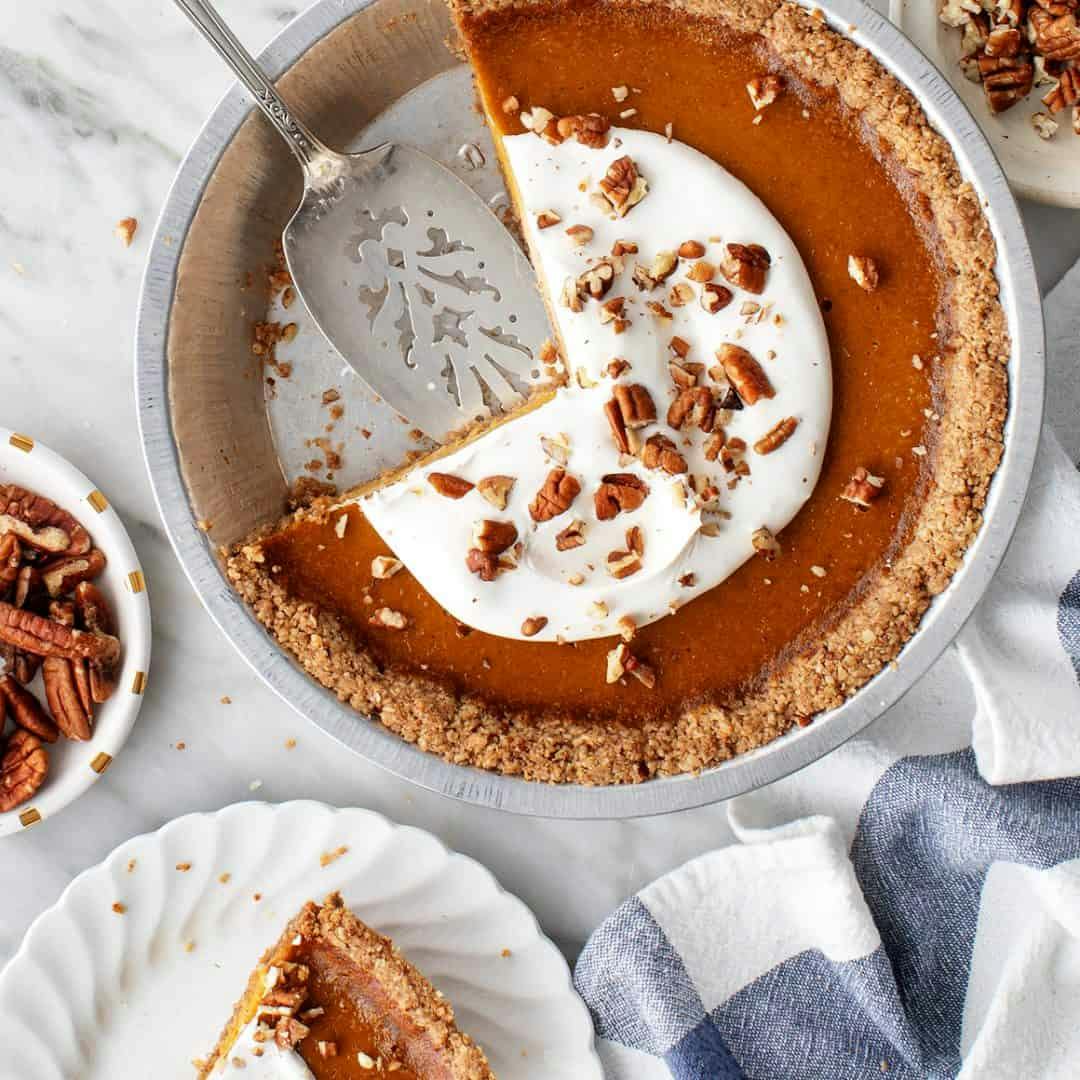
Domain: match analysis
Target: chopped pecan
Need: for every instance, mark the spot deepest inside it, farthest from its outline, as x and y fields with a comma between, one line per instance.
x=494, y=537
x=618, y=492
x=624, y=247
x=701, y=272
x=496, y=490
x=680, y=295
x=1003, y=41
x=621, y=661
x=556, y=448
x=658, y=311
x=611, y=311
x=764, y=90
x=746, y=265
x=659, y=453
x=389, y=619
x=547, y=218
x=684, y=375
x=41, y=513
x=554, y=498
x=590, y=129
x=125, y=230
x=622, y=186
x=617, y=367
x=533, y=625
x=573, y=536
x=448, y=485
x=863, y=488
x=695, y=406
x=680, y=347
x=25, y=710
x=571, y=297
x=777, y=435
x=863, y=271
x=23, y=768
x=27, y=585
x=485, y=566
x=60, y=576
x=1065, y=93
x=622, y=564
x=384, y=567
x=579, y=235
x=765, y=544
x=691, y=249
x=10, y=563
x=745, y=374
x=715, y=297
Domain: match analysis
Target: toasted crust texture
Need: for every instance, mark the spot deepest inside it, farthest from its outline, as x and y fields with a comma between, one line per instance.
x=557, y=747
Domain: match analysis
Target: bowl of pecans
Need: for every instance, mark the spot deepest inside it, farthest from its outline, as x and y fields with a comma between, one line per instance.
x=1015, y=65
x=74, y=632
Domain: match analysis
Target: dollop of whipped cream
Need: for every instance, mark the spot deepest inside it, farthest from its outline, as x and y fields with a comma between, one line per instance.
x=695, y=527
x=252, y=1058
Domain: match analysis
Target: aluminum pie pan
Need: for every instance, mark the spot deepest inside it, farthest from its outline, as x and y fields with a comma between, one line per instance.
x=304, y=55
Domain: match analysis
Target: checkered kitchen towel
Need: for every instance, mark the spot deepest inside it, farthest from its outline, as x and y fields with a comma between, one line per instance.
x=910, y=905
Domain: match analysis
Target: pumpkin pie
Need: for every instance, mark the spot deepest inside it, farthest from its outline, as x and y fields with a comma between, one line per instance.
x=334, y=999
x=773, y=403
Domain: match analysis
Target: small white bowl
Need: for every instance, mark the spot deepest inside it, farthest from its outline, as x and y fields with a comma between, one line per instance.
x=74, y=766
x=1047, y=170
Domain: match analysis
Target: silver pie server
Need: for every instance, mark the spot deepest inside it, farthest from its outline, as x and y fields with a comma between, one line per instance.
x=416, y=283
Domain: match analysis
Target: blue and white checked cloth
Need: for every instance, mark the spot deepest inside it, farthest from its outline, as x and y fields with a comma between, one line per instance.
x=908, y=906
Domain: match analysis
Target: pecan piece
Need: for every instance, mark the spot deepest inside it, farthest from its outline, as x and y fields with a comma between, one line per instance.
x=389, y=619
x=659, y=453
x=580, y=235
x=764, y=90
x=715, y=297
x=494, y=537
x=96, y=616
x=1005, y=80
x=485, y=566
x=547, y=218
x=765, y=544
x=47, y=538
x=777, y=435
x=590, y=129
x=25, y=710
x=622, y=564
x=573, y=536
x=554, y=498
x=1057, y=35
x=745, y=374
x=10, y=563
x=863, y=271
x=38, y=512
x=691, y=249
x=863, y=488
x=622, y=186
x=23, y=768
x=60, y=576
x=533, y=625
x=448, y=485
x=618, y=492
x=496, y=490
x=696, y=406
x=635, y=405
x=746, y=266
x=621, y=661
x=596, y=281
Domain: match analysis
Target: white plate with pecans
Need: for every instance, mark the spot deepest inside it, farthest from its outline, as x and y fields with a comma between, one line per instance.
x=74, y=632
x=1036, y=145
x=135, y=970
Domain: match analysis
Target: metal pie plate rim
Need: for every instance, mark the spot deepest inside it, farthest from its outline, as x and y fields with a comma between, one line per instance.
x=946, y=616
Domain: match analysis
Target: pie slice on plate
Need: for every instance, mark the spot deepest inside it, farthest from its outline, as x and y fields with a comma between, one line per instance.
x=332, y=999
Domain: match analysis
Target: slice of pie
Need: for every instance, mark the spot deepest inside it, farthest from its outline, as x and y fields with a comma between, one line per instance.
x=777, y=398
x=333, y=999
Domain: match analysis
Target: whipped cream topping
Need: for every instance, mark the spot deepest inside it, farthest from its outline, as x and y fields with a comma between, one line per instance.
x=691, y=541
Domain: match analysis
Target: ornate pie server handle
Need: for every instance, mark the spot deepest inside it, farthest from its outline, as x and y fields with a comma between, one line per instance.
x=307, y=148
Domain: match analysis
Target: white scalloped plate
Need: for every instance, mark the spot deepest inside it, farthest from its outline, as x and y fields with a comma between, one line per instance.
x=74, y=766
x=105, y=996
x=1045, y=170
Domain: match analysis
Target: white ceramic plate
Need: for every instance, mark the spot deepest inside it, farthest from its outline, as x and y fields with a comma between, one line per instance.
x=1045, y=170
x=74, y=766
x=105, y=996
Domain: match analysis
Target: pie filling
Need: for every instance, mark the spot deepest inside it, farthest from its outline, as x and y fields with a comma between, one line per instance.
x=778, y=420
x=694, y=422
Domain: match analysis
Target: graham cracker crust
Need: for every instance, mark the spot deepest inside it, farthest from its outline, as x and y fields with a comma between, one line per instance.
x=558, y=747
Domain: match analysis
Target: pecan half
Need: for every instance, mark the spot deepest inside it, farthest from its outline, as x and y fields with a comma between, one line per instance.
x=494, y=537
x=777, y=435
x=623, y=186
x=60, y=576
x=45, y=637
x=23, y=768
x=1057, y=36
x=448, y=485
x=695, y=406
x=745, y=374
x=97, y=617
x=618, y=492
x=38, y=512
x=554, y=498
x=863, y=488
x=659, y=453
x=25, y=710
x=65, y=701
x=635, y=405
x=1006, y=80
x=746, y=265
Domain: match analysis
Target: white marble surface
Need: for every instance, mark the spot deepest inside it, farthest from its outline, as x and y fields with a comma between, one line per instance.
x=99, y=99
